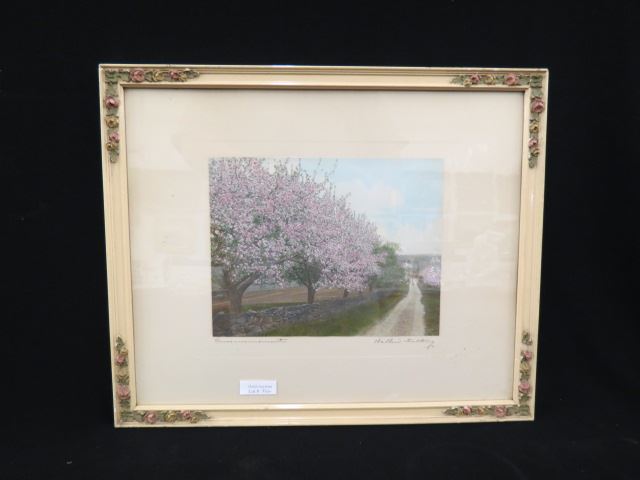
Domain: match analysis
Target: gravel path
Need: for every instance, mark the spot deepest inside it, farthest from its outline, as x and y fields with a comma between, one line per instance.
x=406, y=318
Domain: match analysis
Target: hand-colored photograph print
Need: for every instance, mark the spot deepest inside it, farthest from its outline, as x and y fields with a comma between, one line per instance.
x=325, y=247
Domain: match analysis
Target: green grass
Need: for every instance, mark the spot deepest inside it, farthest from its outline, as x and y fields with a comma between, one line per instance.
x=431, y=302
x=348, y=323
x=264, y=306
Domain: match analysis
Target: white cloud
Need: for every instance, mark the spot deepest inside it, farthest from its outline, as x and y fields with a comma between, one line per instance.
x=385, y=205
x=370, y=199
x=426, y=239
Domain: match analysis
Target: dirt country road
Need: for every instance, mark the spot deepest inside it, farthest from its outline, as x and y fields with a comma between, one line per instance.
x=406, y=318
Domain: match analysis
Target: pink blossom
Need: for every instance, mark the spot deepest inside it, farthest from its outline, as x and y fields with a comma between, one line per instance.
x=111, y=102
x=121, y=359
x=500, y=411
x=466, y=410
x=186, y=415
x=474, y=78
x=278, y=222
x=431, y=273
x=527, y=355
x=114, y=137
x=537, y=105
x=511, y=79
x=151, y=417
x=524, y=387
x=123, y=392
x=137, y=75
x=533, y=142
x=175, y=75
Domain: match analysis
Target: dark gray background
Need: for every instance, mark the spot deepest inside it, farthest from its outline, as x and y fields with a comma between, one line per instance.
x=56, y=376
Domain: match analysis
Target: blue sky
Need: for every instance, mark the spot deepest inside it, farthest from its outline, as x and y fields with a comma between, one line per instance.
x=403, y=197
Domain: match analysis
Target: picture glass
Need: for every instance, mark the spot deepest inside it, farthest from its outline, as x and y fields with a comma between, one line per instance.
x=351, y=246
x=325, y=247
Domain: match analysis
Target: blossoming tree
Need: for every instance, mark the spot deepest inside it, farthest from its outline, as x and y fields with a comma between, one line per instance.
x=430, y=275
x=337, y=247
x=246, y=236
x=276, y=222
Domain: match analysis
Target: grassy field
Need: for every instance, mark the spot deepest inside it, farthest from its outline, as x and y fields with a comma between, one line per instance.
x=431, y=302
x=347, y=323
x=279, y=297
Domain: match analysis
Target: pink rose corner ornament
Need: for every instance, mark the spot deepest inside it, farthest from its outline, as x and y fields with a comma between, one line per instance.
x=537, y=105
x=505, y=411
x=113, y=78
x=111, y=102
x=123, y=394
x=512, y=79
x=137, y=75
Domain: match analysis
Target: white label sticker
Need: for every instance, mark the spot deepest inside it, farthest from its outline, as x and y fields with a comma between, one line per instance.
x=258, y=387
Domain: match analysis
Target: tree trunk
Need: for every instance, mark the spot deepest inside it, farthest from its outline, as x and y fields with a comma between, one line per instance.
x=311, y=294
x=235, y=301
x=345, y=293
x=236, y=290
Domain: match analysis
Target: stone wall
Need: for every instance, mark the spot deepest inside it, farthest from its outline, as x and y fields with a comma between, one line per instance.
x=252, y=323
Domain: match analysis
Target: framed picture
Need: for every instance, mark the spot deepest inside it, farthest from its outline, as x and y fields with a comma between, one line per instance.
x=322, y=245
